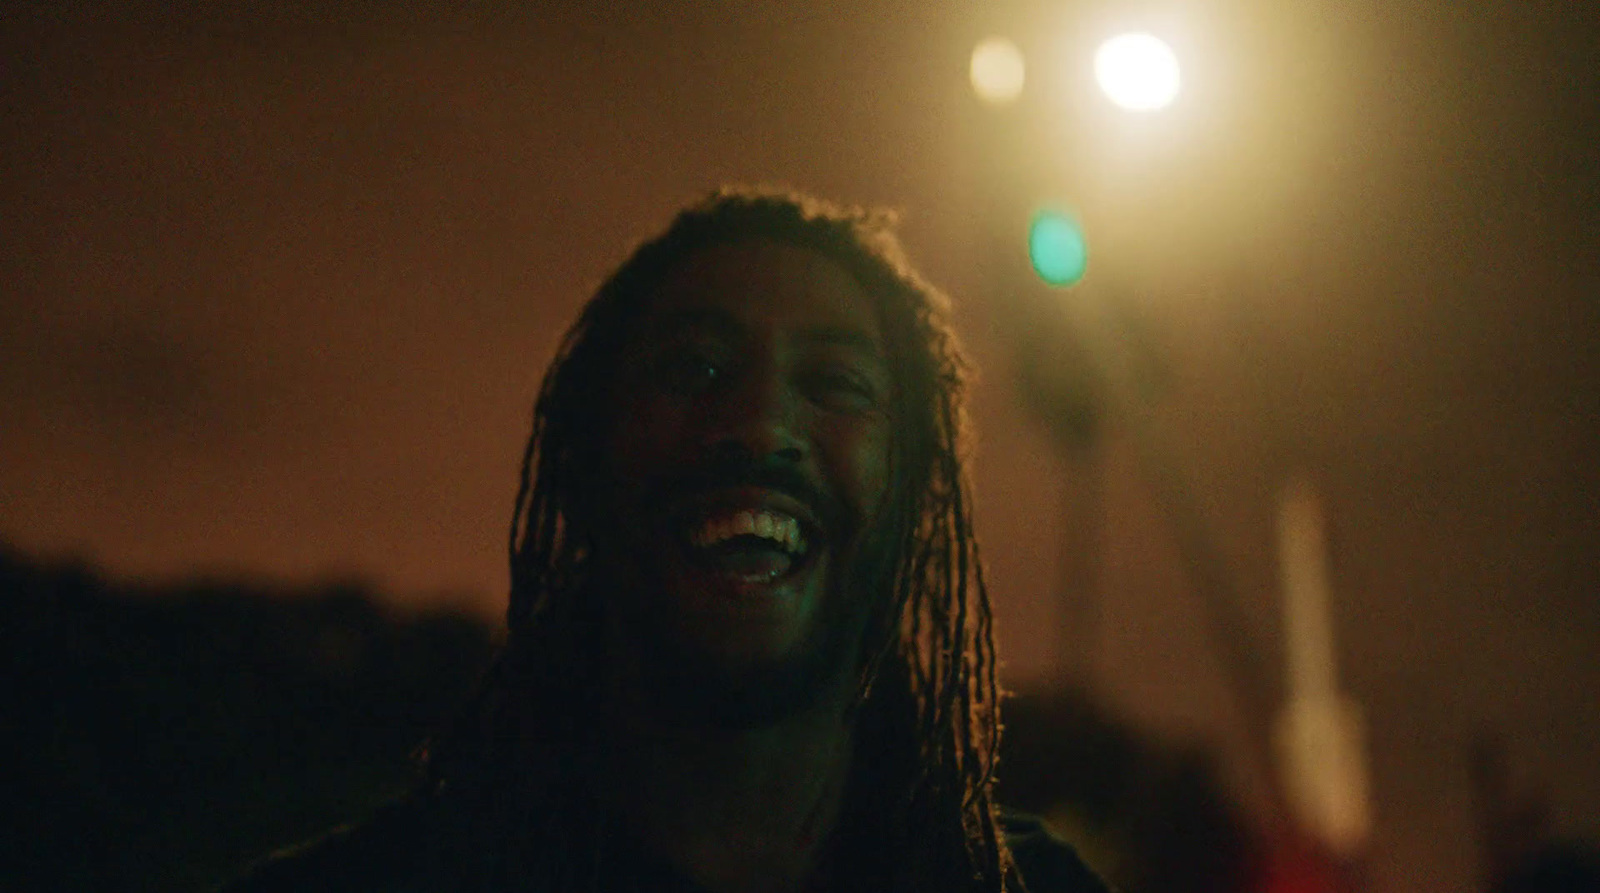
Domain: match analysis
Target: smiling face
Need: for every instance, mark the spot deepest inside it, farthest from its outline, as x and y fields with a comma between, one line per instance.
x=745, y=469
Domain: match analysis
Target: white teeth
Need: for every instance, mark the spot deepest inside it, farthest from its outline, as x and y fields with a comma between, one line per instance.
x=775, y=526
x=789, y=533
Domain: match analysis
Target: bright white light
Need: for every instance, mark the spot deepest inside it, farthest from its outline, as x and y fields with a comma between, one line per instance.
x=997, y=70
x=1138, y=71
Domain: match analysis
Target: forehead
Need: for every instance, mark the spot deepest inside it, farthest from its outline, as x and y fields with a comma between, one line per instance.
x=768, y=282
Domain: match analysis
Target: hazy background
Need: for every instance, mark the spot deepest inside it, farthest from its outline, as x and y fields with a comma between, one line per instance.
x=278, y=288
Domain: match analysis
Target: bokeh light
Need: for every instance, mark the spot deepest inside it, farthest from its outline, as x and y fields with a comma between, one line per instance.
x=1137, y=71
x=1057, y=248
x=997, y=71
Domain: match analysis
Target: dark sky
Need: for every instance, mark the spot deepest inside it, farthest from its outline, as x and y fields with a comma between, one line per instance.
x=278, y=288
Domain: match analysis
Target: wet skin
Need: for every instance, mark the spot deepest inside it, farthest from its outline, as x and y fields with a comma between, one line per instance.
x=755, y=381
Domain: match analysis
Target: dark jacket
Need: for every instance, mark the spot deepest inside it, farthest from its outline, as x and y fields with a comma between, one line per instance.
x=417, y=846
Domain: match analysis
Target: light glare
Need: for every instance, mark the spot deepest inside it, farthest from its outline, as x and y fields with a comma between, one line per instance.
x=997, y=70
x=1138, y=72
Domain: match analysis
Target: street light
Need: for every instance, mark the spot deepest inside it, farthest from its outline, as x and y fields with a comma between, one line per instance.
x=1138, y=71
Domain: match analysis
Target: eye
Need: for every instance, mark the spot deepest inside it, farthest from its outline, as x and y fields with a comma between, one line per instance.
x=841, y=388
x=687, y=369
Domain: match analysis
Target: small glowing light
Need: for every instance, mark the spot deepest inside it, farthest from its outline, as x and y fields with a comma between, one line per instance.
x=1138, y=71
x=1057, y=248
x=997, y=70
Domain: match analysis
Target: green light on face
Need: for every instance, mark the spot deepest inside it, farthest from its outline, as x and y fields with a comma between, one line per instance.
x=1057, y=248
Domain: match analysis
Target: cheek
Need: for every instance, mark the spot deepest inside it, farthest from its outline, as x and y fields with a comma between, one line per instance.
x=860, y=460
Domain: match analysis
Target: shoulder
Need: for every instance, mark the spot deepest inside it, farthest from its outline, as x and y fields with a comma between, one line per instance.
x=387, y=852
x=1047, y=863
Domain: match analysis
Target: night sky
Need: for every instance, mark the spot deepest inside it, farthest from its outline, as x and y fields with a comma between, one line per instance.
x=279, y=287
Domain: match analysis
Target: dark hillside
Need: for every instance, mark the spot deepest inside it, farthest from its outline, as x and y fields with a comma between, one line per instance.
x=163, y=739
x=159, y=738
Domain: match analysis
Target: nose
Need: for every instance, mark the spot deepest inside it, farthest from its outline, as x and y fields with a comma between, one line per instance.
x=757, y=418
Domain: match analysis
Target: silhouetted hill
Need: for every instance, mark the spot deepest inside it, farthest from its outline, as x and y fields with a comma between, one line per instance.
x=161, y=739
x=157, y=739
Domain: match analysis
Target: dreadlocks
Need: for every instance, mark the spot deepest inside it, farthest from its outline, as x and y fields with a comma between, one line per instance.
x=927, y=689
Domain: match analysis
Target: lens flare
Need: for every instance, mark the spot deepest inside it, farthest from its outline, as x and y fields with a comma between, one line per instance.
x=997, y=71
x=1057, y=248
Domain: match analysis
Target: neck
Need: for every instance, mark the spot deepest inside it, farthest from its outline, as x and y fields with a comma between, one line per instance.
x=738, y=810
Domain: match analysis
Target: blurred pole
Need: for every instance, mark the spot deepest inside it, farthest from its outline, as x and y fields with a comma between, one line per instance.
x=1512, y=821
x=1080, y=365
x=1128, y=397
x=1320, y=733
x=1307, y=612
x=1078, y=560
x=1055, y=374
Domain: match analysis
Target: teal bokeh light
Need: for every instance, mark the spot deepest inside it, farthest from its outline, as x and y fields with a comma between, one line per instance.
x=1057, y=248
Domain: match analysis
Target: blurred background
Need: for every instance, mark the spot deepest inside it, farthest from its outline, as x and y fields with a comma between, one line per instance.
x=1288, y=495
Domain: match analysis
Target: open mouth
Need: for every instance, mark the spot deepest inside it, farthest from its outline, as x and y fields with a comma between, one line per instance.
x=748, y=544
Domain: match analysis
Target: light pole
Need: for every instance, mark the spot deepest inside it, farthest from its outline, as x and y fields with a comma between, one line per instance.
x=1077, y=368
x=1063, y=351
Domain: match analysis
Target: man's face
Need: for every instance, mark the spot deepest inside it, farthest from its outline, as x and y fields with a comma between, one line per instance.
x=746, y=467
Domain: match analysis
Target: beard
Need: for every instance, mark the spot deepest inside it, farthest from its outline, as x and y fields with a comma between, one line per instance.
x=681, y=680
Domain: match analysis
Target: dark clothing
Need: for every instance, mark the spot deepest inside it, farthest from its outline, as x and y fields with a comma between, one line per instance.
x=418, y=847
x=1046, y=862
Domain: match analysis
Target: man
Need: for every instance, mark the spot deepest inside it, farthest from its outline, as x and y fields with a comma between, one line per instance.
x=750, y=644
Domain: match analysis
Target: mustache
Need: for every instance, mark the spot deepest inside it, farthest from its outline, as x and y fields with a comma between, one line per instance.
x=720, y=471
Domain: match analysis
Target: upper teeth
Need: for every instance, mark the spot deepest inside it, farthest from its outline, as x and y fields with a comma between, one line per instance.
x=775, y=526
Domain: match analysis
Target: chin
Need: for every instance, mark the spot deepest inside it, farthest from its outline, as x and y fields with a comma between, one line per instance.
x=745, y=676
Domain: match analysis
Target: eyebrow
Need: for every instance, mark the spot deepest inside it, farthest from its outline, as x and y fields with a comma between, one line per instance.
x=723, y=323
x=843, y=336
